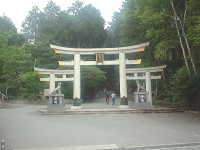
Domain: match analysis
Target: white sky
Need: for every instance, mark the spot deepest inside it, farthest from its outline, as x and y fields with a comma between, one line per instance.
x=17, y=10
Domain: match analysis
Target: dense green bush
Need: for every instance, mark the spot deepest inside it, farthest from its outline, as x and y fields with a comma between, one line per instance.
x=182, y=88
x=179, y=85
x=30, y=85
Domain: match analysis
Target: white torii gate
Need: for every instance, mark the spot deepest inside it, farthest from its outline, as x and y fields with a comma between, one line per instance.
x=122, y=62
x=67, y=75
x=134, y=74
x=124, y=73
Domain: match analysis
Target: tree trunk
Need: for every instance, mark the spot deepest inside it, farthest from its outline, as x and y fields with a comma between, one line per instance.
x=180, y=39
x=186, y=40
x=189, y=52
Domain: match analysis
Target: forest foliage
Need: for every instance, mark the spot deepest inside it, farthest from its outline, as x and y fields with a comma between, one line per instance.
x=172, y=28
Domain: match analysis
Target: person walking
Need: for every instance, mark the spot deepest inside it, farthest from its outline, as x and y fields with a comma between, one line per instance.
x=107, y=94
x=113, y=96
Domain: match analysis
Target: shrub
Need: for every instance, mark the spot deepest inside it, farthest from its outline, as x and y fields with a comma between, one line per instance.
x=184, y=88
x=30, y=85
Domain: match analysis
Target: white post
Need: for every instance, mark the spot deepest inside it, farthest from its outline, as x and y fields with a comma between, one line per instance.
x=148, y=88
x=138, y=88
x=77, y=82
x=122, y=75
x=52, y=82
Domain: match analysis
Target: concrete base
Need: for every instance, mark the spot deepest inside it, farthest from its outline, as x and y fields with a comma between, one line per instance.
x=76, y=107
x=56, y=103
x=123, y=106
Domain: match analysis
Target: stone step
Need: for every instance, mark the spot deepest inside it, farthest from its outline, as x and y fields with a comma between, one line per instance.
x=111, y=111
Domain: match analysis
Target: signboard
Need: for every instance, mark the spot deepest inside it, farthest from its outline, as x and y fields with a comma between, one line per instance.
x=99, y=58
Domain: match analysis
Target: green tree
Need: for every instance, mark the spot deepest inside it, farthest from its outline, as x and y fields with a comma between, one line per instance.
x=6, y=25
x=75, y=8
x=31, y=24
x=79, y=26
x=15, y=59
x=172, y=29
x=30, y=85
x=92, y=80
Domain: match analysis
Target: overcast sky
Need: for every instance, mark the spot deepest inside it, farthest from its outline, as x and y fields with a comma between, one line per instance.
x=17, y=10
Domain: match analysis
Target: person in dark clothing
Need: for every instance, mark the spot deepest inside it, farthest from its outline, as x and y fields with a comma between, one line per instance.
x=107, y=94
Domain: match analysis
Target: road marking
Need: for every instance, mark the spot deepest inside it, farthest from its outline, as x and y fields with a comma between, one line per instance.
x=165, y=146
x=86, y=147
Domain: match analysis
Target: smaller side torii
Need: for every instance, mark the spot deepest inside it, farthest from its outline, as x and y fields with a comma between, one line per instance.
x=147, y=75
x=66, y=75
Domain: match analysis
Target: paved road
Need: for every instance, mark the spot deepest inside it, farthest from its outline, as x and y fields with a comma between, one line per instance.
x=24, y=127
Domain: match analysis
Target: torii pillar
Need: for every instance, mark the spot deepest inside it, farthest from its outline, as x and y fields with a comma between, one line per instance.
x=77, y=82
x=148, y=88
x=52, y=82
x=123, y=81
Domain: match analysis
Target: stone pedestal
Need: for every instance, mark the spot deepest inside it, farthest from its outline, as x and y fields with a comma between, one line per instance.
x=140, y=97
x=56, y=103
x=77, y=102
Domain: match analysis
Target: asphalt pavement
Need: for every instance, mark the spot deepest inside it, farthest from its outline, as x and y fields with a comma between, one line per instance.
x=23, y=127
